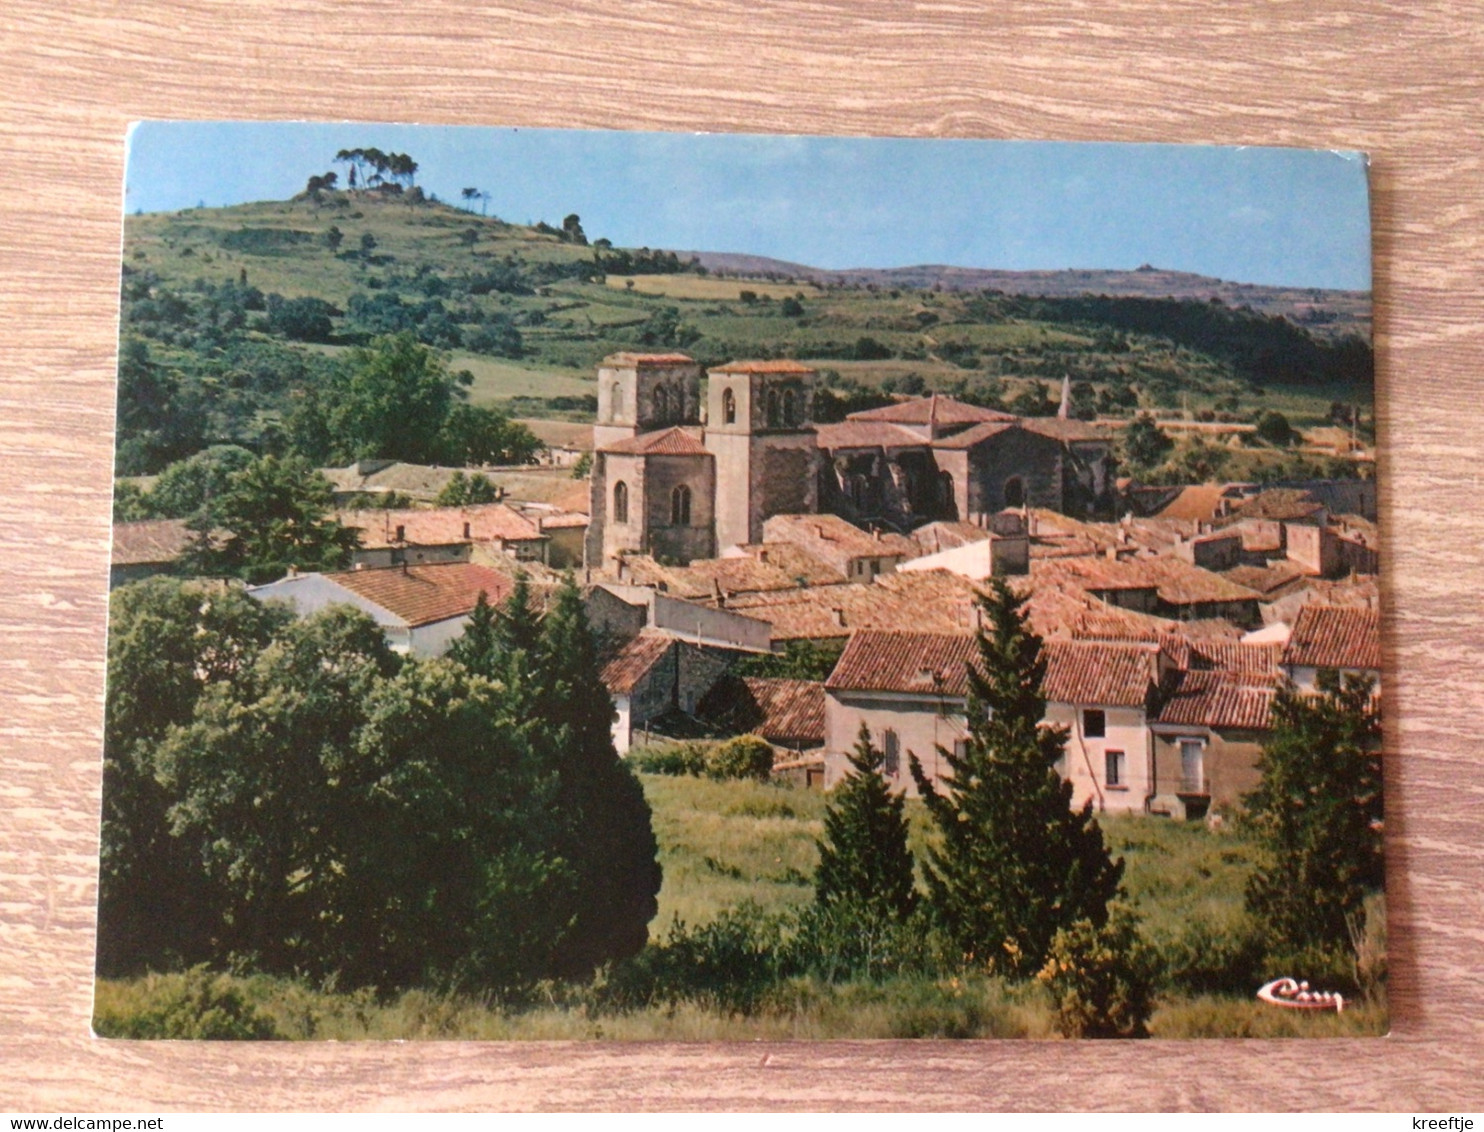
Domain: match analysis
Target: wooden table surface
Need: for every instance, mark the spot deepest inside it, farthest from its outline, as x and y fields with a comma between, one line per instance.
x=1399, y=79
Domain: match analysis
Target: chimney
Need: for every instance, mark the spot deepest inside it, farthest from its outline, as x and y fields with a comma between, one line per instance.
x=876, y=534
x=839, y=616
x=762, y=554
x=466, y=529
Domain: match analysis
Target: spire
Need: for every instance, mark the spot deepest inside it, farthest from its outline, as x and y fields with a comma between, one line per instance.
x=1065, y=410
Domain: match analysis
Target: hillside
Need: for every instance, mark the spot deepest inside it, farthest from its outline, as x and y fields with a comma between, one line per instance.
x=242, y=310
x=1327, y=313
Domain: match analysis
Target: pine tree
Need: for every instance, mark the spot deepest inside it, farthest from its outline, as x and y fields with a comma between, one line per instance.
x=1317, y=813
x=864, y=861
x=478, y=649
x=1015, y=862
x=609, y=837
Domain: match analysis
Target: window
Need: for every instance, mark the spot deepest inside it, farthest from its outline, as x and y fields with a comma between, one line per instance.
x=892, y=750
x=1114, y=766
x=1192, y=766
x=728, y=407
x=680, y=507
x=620, y=502
x=772, y=408
x=1014, y=492
x=789, y=417
x=401, y=533
x=661, y=404
x=1094, y=724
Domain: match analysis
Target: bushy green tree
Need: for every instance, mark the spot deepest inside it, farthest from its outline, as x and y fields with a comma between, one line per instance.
x=1145, y=444
x=1317, y=814
x=742, y=756
x=391, y=400
x=462, y=490
x=864, y=861
x=168, y=642
x=1014, y=861
x=1273, y=427
x=276, y=514
x=189, y=487
x=609, y=837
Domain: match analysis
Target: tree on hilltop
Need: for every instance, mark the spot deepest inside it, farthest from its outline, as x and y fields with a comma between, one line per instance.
x=1015, y=862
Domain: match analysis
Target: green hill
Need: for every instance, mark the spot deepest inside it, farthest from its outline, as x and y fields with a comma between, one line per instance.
x=243, y=307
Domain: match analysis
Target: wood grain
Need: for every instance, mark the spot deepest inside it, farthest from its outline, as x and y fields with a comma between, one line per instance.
x=1400, y=80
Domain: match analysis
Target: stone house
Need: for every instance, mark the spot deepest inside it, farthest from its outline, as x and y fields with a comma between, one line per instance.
x=1342, y=639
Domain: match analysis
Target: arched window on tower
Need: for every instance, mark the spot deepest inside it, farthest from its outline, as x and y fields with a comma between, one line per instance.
x=1014, y=492
x=728, y=407
x=680, y=507
x=661, y=404
x=772, y=408
x=790, y=417
x=620, y=502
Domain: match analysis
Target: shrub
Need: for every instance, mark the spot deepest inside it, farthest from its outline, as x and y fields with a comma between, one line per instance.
x=683, y=758
x=192, y=1006
x=746, y=756
x=1214, y=958
x=1101, y=979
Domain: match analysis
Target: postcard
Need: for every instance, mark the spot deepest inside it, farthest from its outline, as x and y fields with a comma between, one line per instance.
x=711, y=587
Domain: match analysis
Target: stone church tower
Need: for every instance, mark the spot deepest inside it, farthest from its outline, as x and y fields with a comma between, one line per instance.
x=759, y=417
x=640, y=393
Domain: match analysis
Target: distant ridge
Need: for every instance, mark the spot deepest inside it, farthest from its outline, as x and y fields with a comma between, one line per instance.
x=1327, y=312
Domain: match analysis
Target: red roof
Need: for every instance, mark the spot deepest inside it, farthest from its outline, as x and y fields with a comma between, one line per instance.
x=781, y=711
x=1333, y=636
x=776, y=365
x=624, y=358
x=1065, y=430
x=1216, y=699
x=673, y=441
x=936, y=409
x=924, y=663
x=421, y=595
x=975, y=434
x=441, y=526
x=635, y=661
x=866, y=434
x=1100, y=672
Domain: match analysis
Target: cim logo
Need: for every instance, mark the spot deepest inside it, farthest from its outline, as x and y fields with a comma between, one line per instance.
x=1296, y=995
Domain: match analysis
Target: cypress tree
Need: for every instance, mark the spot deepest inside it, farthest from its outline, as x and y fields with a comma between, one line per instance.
x=609, y=839
x=478, y=649
x=1015, y=861
x=864, y=861
x=1317, y=814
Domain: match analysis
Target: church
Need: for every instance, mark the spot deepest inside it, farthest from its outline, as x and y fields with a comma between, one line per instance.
x=683, y=472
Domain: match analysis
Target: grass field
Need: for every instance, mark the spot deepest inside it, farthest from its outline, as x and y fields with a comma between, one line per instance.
x=690, y=286
x=723, y=843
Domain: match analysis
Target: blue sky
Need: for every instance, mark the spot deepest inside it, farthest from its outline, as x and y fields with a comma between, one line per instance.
x=1253, y=215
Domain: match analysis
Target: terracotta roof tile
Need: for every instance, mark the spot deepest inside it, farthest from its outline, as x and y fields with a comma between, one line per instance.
x=942, y=410
x=441, y=526
x=149, y=542
x=667, y=442
x=1330, y=636
x=781, y=711
x=1216, y=699
x=1065, y=430
x=866, y=434
x=634, y=661
x=976, y=434
x=775, y=365
x=1100, y=672
x=932, y=664
x=420, y=595
x=625, y=358
x=1278, y=503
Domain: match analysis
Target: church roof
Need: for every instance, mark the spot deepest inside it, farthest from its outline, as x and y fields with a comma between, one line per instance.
x=625, y=358
x=1068, y=431
x=866, y=434
x=774, y=365
x=933, y=409
x=979, y=432
x=673, y=441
